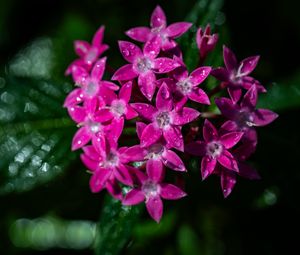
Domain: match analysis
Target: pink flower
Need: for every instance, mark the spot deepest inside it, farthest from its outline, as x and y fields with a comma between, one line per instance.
x=159, y=30
x=118, y=107
x=156, y=154
x=165, y=120
x=151, y=189
x=91, y=85
x=88, y=53
x=186, y=86
x=214, y=149
x=206, y=41
x=236, y=74
x=143, y=65
x=244, y=116
x=107, y=163
x=90, y=127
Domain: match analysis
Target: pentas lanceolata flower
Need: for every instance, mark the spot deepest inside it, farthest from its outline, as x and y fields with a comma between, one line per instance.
x=161, y=101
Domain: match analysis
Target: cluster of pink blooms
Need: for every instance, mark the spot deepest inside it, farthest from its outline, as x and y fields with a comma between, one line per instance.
x=152, y=94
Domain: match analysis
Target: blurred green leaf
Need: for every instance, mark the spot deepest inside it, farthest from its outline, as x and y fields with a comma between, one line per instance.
x=188, y=241
x=35, y=131
x=282, y=96
x=115, y=226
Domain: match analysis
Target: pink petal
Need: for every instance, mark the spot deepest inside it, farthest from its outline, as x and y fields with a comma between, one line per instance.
x=250, y=98
x=199, y=75
x=154, y=169
x=229, y=59
x=158, y=18
x=228, y=180
x=152, y=47
x=130, y=113
x=123, y=175
x=117, y=126
x=103, y=115
x=154, y=207
x=184, y=116
x=220, y=73
x=79, y=75
x=129, y=51
x=99, y=144
x=231, y=139
x=91, y=164
x=228, y=126
x=146, y=111
x=207, y=166
x=228, y=161
x=139, y=34
x=135, y=153
x=133, y=197
x=91, y=152
x=174, y=138
x=165, y=65
x=150, y=135
x=181, y=103
x=141, y=177
x=146, y=82
x=98, y=69
x=125, y=91
x=98, y=180
x=227, y=107
x=125, y=73
x=98, y=37
x=114, y=189
x=197, y=148
x=235, y=94
x=209, y=131
x=248, y=172
x=248, y=65
x=199, y=37
x=264, y=117
x=81, y=47
x=73, y=98
x=108, y=85
x=199, y=96
x=81, y=138
x=164, y=99
x=178, y=28
x=171, y=192
x=140, y=126
x=173, y=161
x=77, y=113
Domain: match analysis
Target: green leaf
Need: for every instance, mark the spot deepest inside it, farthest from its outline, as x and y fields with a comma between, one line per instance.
x=115, y=226
x=282, y=96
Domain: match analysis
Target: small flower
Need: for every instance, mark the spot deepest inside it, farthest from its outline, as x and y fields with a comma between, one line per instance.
x=206, y=41
x=165, y=120
x=151, y=189
x=143, y=65
x=157, y=154
x=244, y=116
x=235, y=75
x=159, y=30
x=108, y=165
x=88, y=53
x=214, y=149
x=91, y=85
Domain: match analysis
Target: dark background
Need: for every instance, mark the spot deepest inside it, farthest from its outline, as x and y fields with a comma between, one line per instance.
x=259, y=217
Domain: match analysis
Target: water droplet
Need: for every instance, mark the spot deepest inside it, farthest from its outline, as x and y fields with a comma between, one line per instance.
x=126, y=53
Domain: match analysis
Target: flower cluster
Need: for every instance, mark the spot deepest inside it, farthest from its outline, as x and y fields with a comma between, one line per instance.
x=152, y=94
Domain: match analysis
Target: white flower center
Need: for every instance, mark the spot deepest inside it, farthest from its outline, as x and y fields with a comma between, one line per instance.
x=244, y=119
x=94, y=126
x=143, y=65
x=91, y=89
x=184, y=86
x=118, y=107
x=112, y=159
x=214, y=149
x=163, y=119
x=150, y=189
x=91, y=55
x=155, y=151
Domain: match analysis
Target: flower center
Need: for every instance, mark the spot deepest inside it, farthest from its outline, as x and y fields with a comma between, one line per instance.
x=118, y=107
x=91, y=55
x=112, y=159
x=184, y=86
x=91, y=89
x=214, y=149
x=143, y=65
x=155, y=151
x=150, y=189
x=244, y=119
x=163, y=119
x=94, y=126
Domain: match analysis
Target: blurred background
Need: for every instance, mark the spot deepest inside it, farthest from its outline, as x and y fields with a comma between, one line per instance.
x=45, y=203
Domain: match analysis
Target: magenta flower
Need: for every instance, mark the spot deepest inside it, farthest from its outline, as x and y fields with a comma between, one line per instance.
x=118, y=107
x=91, y=85
x=214, y=149
x=156, y=154
x=107, y=163
x=236, y=74
x=88, y=53
x=159, y=30
x=143, y=65
x=151, y=189
x=206, y=41
x=186, y=87
x=244, y=116
x=165, y=120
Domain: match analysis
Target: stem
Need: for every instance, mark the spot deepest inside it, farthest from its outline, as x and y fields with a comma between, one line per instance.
x=209, y=115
